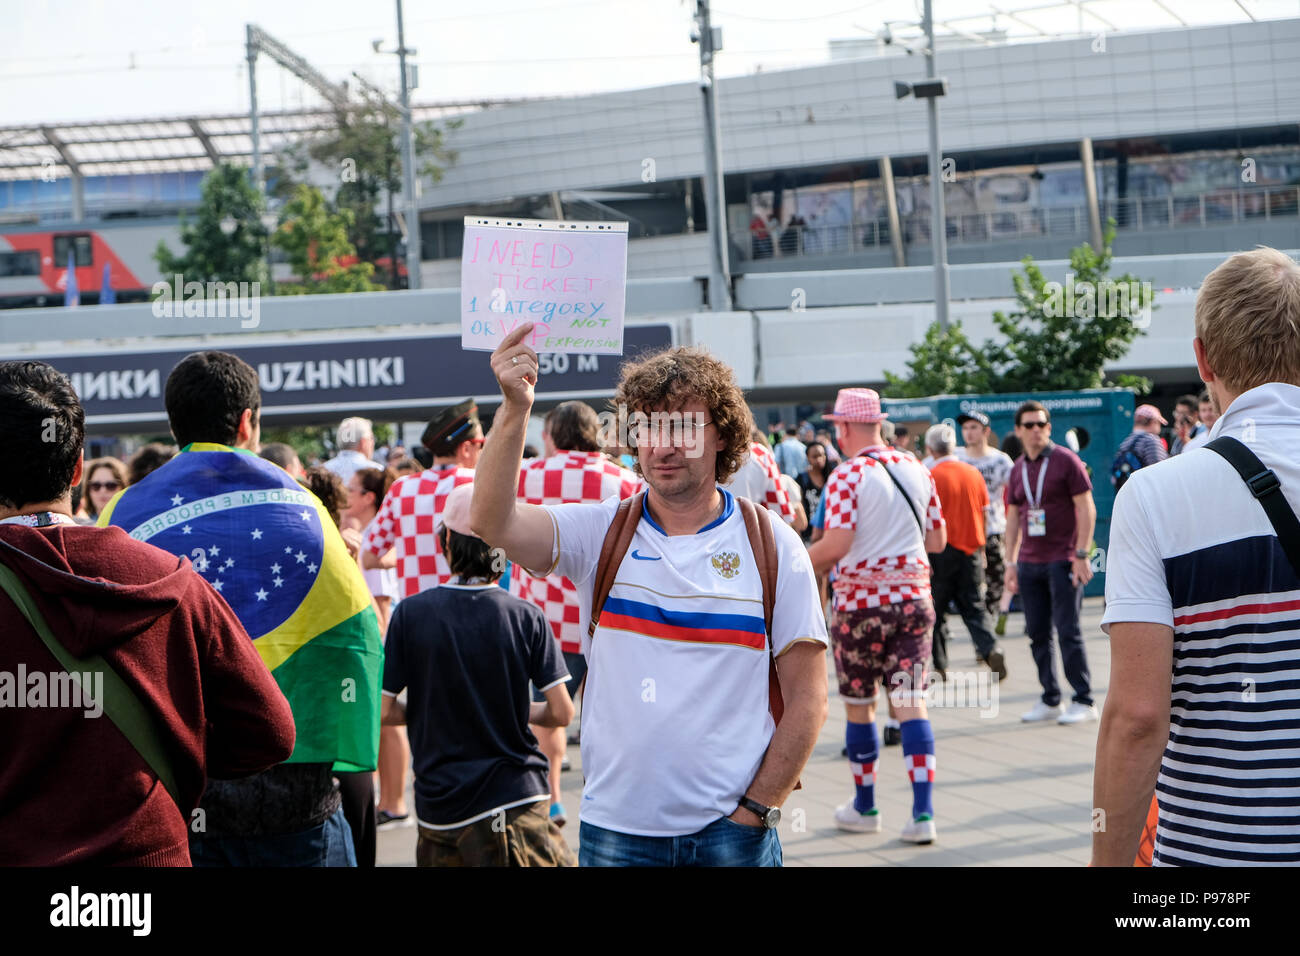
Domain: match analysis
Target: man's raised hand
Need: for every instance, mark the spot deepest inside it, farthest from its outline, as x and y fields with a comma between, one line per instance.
x=515, y=367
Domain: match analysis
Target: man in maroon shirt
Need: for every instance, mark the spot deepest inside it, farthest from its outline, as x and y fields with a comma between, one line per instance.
x=73, y=789
x=1050, y=520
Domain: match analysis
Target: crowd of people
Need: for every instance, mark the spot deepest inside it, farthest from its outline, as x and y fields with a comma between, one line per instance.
x=277, y=647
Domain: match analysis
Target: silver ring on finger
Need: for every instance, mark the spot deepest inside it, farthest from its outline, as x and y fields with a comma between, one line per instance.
x=514, y=360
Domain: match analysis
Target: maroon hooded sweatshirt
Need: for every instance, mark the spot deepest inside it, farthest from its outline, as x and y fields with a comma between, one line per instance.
x=72, y=788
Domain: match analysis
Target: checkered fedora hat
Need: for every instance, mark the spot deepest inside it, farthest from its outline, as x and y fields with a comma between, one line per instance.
x=857, y=405
x=1148, y=413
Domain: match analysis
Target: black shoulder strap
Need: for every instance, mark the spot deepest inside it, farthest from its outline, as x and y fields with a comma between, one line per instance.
x=920, y=526
x=1264, y=485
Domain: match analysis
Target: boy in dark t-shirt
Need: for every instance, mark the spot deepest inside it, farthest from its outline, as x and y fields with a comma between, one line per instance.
x=466, y=652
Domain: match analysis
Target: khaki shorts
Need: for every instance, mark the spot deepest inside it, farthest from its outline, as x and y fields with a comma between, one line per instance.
x=520, y=836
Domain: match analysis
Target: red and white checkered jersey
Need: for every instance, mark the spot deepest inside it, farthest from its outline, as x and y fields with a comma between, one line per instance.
x=887, y=563
x=759, y=479
x=409, y=517
x=567, y=476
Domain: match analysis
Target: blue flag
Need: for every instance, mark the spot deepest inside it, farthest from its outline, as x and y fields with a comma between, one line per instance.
x=269, y=547
x=106, y=294
x=71, y=294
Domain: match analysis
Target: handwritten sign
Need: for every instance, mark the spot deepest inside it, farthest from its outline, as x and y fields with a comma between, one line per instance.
x=567, y=277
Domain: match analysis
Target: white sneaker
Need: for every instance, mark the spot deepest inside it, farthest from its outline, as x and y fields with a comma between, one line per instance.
x=848, y=818
x=1077, y=713
x=1041, y=712
x=920, y=830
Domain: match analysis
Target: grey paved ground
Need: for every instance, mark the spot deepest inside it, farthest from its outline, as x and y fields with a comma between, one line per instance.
x=1006, y=793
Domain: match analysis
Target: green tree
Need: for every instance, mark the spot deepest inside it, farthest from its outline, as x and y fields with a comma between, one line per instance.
x=363, y=150
x=211, y=254
x=306, y=440
x=318, y=440
x=1058, y=337
x=315, y=241
x=943, y=363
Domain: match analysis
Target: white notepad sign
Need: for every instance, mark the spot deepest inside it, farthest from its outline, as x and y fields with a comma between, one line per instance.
x=569, y=278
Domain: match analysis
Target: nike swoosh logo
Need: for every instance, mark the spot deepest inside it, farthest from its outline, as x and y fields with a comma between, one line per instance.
x=645, y=557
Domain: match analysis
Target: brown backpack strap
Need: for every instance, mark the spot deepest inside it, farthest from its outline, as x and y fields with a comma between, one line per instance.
x=762, y=542
x=617, y=540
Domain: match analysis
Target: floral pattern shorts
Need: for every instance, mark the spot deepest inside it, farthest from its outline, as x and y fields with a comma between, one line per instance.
x=873, y=644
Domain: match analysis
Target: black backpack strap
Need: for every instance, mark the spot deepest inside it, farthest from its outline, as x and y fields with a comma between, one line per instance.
x=1267, y=489
x=906, y=500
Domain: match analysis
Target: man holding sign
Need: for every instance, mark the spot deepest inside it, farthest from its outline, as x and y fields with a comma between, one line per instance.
x=684, y=763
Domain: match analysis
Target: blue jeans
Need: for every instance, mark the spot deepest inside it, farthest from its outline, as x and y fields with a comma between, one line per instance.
x=1050, y=599
x=328, y=844
x=722, y=843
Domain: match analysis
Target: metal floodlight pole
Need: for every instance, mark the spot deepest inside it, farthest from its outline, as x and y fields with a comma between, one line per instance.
x=384, y=106
x=408, y=165
x=938, y=221
x=251, y=41
x=715, y=196
x=259, y=41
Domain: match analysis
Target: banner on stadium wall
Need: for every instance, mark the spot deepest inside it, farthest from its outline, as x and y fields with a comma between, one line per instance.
x=321, y=380
x=568, y=278
x=1099, y=417
x=909, y=409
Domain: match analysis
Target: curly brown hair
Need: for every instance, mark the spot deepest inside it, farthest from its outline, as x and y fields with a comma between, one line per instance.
x=673, y=378
x=328, y=487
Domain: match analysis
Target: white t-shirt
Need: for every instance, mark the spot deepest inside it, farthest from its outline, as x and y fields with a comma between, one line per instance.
x=347, y=463
x=1197, y=440
x=995, y=467
x=792, y=490
x=759, y=479
x=1221, y=581
x=887, y=562
x=675, y=713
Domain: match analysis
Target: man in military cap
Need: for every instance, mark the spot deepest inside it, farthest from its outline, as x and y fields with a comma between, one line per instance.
x=411, y=509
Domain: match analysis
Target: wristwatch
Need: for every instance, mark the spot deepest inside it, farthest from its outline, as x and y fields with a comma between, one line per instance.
x=1080, y=553
x=770, y=816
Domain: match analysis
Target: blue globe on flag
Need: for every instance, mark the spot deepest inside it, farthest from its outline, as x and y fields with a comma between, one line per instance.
x=269, y=548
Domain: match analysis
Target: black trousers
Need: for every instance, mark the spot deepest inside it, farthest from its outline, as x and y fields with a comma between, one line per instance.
x=1050, y=598
x=957, y=576
x=995, y=571
x=358, y=793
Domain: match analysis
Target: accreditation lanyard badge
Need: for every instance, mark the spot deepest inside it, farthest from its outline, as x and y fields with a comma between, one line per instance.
x=1035, y=515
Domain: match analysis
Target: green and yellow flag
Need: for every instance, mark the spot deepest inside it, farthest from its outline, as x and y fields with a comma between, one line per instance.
x=268, y=546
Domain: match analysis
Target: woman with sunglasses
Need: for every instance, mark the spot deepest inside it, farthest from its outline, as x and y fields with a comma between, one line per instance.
x=104, y=477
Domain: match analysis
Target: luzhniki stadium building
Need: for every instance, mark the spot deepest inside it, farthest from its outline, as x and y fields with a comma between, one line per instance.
x=1191, y=135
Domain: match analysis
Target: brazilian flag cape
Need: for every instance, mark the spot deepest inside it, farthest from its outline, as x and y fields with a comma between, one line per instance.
x=269, y=547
